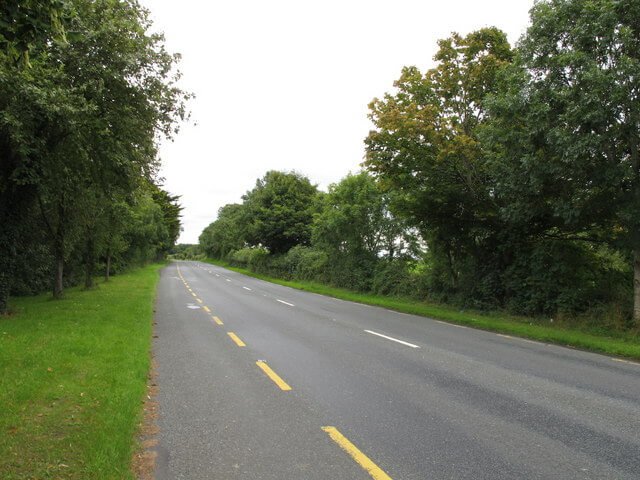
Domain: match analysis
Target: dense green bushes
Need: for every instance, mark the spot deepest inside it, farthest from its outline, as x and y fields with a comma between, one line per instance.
x=351, y=249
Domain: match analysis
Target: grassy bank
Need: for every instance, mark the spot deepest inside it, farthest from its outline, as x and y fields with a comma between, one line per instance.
x=72, y=376
x=611, y=343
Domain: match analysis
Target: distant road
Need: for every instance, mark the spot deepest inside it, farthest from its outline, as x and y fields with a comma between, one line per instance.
x=260, y=381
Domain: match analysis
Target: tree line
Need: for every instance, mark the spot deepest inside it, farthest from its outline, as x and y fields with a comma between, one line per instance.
x=86, y=92
x=503, y=177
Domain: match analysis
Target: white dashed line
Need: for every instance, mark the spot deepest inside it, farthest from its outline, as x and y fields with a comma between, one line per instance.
x=624, y=361
x=286, y=303
x=450, y=324
x=522, y=339
x=228, y=280
x=392, y=339
x=247, y=288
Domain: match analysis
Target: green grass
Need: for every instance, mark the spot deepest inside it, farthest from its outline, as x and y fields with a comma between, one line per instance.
x=612, y=343
x=73, y=374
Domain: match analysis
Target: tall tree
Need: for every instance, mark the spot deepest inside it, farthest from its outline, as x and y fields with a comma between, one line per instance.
x=280, y=210
x=226, y=233
x=24, y=111
x=565, y=132
x=356, y=219
x=425, y=145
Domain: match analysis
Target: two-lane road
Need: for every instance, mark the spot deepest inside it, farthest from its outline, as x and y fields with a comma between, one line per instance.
x=260, y=381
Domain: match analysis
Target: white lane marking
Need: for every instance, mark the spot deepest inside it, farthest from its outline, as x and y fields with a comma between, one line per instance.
x=450, y=324
x=217, y=275
x=286, y=303
x=521, y=339
x=624, y=361
x=397, y=313
x=392, y=339
x=228, y=280
x=247, y=288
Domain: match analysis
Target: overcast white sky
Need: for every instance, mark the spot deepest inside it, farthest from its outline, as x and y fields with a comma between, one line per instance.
x=285, y=85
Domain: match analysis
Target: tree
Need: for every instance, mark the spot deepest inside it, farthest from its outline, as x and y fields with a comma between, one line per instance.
x=425, y=147
x=27, y=103
x=565, y=130
x=25, y=24
x=355, y=219
x=226, y=233
x=280, y=210
x=115, y=91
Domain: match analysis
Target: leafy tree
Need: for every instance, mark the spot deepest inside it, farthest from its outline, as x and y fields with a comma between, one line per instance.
x=226, y=233
x=171, y=208
x=280, y=210
x=565, y=132
x=78, y=127
x=425, y=147
x=25, y=24
x=356, y=219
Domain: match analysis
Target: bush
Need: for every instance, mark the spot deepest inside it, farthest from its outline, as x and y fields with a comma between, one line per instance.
x=248, y=257
x=307, y=263
x=398, y=278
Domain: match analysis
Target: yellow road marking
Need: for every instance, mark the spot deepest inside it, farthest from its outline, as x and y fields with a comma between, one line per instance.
x=235, y=338
x=273, y=375
x=206, y=309
x=199, y=301
x=193, y=294
x=361, y=459
x=217, y=320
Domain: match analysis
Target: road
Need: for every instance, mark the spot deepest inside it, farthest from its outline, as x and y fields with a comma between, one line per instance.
x=251, y=376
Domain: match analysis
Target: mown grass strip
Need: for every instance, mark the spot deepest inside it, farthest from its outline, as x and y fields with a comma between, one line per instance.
x=612, y=344
x=72, y=376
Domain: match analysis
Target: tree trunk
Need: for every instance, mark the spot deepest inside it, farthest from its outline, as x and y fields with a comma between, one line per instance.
x=89, y=262
x=58, y=255
x=636, y=286
x=107, y=272
x=5, y=285
x=58, y=288
x=7, y=260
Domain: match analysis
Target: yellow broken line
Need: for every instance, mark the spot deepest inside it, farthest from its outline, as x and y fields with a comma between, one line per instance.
x=236, y=339
x=217, y=320
x=273, y=375
x=361, y=459
x=206, y=309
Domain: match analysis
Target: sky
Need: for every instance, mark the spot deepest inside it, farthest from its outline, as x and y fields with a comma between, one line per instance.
x=285, y=85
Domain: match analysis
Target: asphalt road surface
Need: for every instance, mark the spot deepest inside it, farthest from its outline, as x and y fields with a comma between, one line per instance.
x=260, y=381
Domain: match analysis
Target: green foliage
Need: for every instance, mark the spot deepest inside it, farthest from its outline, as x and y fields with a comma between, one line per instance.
x=226, y=234
x=279, y=211
x=307, y=263
x=27, y=23
x=355, y=219
x=78, y=131
x=564, y=137
x=185, y=251
x=425, y=148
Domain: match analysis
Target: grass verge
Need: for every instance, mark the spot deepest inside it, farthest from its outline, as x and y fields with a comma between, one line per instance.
x=610, y=343
x=72, y=376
